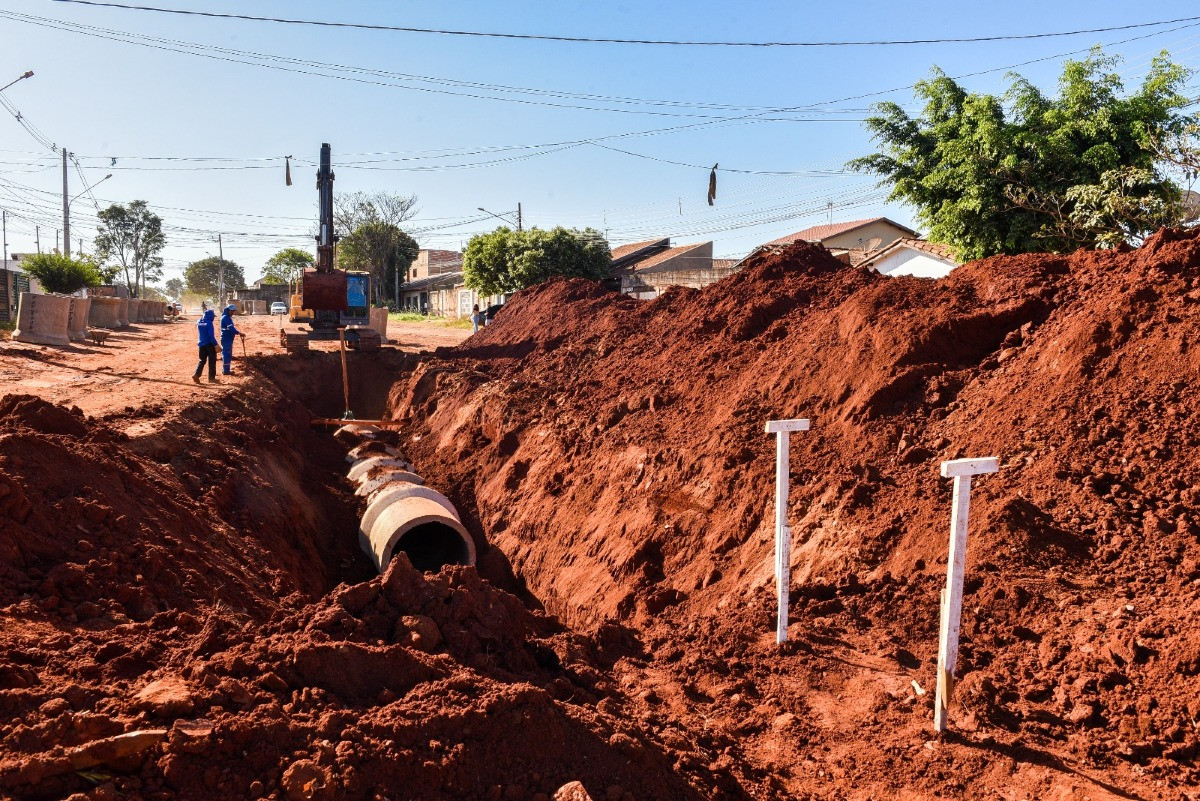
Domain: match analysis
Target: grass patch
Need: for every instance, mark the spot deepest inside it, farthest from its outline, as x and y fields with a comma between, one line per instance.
x=407, y=317
x=417, y=317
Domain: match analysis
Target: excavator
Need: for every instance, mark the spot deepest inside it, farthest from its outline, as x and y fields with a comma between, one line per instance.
x=335, y=304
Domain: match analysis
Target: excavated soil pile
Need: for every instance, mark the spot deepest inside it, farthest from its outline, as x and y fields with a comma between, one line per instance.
x=612, y=453
x=187, y=615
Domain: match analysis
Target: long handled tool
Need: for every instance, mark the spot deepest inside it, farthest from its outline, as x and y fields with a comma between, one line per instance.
x=244, y=356
x=349, y=415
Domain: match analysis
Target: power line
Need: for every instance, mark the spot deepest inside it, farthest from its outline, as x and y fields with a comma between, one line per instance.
x=599, y=40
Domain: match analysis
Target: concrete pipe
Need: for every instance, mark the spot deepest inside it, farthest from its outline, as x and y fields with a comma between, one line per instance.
x=143, y=311
x=425, y=528
x=386, y=476
x=359, y=469
x=389, y=495
x=133, y=311
x=103, y=313
x=43, y=319
x=77, y=318
x=369, y=449
x=123, y=313
x=356, y=434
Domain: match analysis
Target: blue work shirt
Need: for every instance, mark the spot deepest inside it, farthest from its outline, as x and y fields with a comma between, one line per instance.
x=228, y=329
x=204, y=327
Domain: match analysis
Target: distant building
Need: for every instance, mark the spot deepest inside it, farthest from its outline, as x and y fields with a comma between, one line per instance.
x=913, y=257
x=850, y=241
x=108, y=291
x=264, y=290
x=646, y=269
x=435, y=262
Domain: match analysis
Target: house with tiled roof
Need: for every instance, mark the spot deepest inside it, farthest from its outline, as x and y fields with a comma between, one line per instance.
x=851, y=241
x=907, y=256
x=646, y=269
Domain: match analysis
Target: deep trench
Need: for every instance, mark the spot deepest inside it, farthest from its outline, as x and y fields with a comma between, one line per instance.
x=314, y=381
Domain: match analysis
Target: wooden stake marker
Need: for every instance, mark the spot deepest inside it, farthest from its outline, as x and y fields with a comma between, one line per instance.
x=961, y=471
x=782, y=429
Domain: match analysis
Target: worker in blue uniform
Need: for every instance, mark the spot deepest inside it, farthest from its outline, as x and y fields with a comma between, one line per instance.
x=228, y=332
x=207, y=343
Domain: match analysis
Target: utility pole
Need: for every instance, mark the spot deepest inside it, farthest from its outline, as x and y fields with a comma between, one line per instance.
x=66, y=213
x=518, y=216
x=56, y=247
x=4, y=217
x=37, y=235
x=220, y=273
x=81, y=246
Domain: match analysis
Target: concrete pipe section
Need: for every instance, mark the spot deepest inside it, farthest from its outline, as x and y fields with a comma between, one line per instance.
x=360, y=469
x=402, y=515
x=104, y=312
x=370, y=449
x=368, y=486
x=43, y=319
x=77, y=319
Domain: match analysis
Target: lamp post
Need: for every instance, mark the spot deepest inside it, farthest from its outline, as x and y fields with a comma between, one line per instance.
x=498, y=217
x=27, y=74
x=67, y=205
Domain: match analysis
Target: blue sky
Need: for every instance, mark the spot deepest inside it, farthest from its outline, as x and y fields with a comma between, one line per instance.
x=157, y=110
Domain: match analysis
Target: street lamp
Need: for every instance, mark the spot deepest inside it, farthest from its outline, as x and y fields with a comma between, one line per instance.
x=28, y=74
x=67, y=211
x=498, y=217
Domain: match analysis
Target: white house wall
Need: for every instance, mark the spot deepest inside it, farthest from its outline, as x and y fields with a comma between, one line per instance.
x=913, y=262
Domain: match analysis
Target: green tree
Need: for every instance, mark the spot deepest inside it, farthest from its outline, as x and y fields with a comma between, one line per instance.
x=506, y=261
x=286, y=265
x=59, y=273
x=131, y=238
x=202, y=277
x=1032, y=173
x=381, y=249
x=174, y=288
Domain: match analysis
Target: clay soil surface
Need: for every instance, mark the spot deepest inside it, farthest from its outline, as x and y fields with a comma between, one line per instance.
x=187, y=614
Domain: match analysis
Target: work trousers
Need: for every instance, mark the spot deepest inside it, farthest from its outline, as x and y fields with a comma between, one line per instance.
x=208, y=353
x=226, y=354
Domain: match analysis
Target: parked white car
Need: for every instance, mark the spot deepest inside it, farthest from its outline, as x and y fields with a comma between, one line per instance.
x=279, y=308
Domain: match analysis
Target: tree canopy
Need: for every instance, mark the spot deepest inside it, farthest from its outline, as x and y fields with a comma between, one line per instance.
x=59, y=273
x=379, y=248
x=1028, y=172
x=286, y=265
x=131, y=238
x=506, y=260
x=352, y=210
x=174, y=288
x=202, y=276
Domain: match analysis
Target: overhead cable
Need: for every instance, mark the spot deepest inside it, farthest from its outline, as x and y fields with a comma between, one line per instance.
x=602, y=40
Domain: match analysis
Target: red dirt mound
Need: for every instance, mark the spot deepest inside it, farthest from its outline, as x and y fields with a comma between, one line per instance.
x=174, y=629
x=612, y=451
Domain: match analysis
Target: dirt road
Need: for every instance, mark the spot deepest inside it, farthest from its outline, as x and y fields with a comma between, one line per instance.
x=151, y=365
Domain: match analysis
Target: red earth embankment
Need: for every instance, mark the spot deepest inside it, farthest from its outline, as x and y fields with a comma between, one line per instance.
x=612, y=454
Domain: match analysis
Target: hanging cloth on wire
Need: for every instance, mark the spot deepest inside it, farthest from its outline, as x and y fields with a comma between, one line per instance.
x=712, y=185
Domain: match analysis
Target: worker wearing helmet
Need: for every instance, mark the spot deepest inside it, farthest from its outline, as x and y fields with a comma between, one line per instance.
x=228, y=332
x=208, y=346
